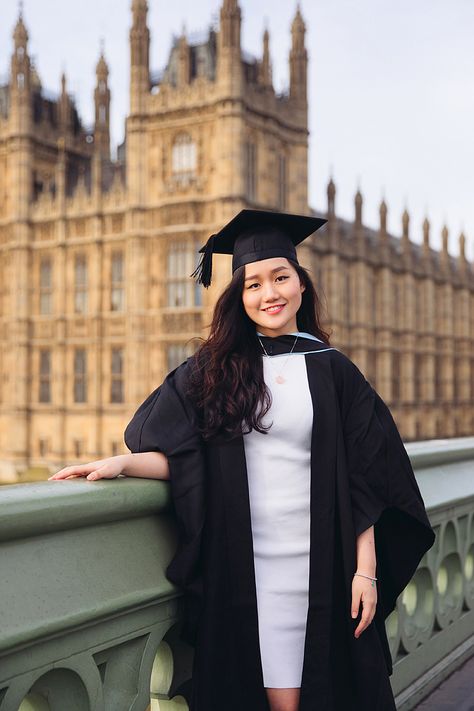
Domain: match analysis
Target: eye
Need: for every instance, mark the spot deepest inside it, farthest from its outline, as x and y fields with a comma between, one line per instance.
x=282, y=276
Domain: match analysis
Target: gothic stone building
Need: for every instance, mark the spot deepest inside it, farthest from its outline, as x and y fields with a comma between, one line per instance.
x=96, y=303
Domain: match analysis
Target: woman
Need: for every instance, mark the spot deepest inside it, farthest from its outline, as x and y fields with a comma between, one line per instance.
x=299, y=517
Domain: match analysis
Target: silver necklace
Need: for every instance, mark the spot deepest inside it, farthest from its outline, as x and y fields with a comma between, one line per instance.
x=279, y=377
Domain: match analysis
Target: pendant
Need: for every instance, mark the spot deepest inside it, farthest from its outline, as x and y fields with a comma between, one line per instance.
x=280, y=379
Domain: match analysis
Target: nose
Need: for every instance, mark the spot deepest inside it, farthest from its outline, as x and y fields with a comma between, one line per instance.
x=270, y=292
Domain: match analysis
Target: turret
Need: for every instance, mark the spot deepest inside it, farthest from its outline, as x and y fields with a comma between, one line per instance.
x=383, y=218
x=358, y=209
x=183, y=60
x=298, y=60
x=102, y=109
x=20, y=118
x=20, y=75
x=426, y=236
x=139, y=56
x=64, y=107
x=444, y=256
x=331, y=193
x=229, y=63
x=231, y=18
x=405, y=225
x=265, y=65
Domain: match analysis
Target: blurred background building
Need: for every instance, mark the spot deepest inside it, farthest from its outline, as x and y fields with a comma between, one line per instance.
x=96, y=303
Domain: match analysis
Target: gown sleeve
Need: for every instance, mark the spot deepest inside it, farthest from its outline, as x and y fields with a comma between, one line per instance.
x=166, y=422
x=383, y=488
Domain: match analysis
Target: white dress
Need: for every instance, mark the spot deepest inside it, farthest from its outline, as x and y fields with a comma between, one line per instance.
x=278, y=468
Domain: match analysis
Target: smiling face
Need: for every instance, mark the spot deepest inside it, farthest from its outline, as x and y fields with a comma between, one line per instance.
x=272, y=295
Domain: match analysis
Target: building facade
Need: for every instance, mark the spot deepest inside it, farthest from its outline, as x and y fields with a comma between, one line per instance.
x=96, y=303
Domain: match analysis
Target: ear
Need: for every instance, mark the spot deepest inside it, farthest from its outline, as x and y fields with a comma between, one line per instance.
x=302, y=287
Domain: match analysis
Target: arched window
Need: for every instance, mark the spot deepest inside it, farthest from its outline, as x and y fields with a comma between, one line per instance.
x=282, y=182
x=80, y=284
x=184, y=157
x=116, y=375
x=46, y=286
x=117, y=294
x=251, y=170
x=80, y=375
x=45, y=375
x=183, y=257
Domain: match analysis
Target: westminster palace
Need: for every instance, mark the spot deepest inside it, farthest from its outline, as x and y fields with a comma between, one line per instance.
x=96, y=301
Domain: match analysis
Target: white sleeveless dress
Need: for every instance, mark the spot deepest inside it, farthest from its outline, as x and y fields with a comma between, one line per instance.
x=278, y=469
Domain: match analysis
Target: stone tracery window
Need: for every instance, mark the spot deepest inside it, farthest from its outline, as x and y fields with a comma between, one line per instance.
x=251, y=170
x=45, y=375
x=116, y=375
x=46, y=286
x=80, y=284
x=80, y=375
x=117, y=294
x=183, y=291
x=183, y=157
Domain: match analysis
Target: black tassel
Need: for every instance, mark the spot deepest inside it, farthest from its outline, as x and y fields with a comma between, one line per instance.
x=203, y=271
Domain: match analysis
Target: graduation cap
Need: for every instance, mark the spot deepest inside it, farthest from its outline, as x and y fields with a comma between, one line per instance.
x=253, y=235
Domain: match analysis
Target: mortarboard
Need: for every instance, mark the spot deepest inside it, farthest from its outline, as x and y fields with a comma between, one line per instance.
x=253, y=235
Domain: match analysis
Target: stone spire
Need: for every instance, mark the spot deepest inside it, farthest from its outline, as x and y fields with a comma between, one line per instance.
x=463, y=264
x=405, y=225
x=426, y=234
x=444, y=238
x=229, y=63
x=444, y=256
x=102, y=108
x=20, y=118
x=139, y=56
x=462, y=246
x=331, y=193
x=20, y=61
x=64, y=105
x=298, y=59
x=358, y=200
x=266, y=66
x=383, y=218
x=183, y=60
x=231, y=18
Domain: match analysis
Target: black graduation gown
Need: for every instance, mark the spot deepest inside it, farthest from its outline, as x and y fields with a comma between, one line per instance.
x=360, y=475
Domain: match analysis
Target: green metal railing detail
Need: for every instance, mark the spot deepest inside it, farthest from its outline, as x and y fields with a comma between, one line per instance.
x=89, y=621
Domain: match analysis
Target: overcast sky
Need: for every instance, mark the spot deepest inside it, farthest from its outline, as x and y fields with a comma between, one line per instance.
x=391, y=89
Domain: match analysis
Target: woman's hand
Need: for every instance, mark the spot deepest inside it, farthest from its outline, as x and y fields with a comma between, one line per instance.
x=108, y=468
x=363, y=591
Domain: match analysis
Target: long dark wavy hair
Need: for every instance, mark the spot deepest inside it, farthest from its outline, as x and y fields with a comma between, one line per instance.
x=226, y=383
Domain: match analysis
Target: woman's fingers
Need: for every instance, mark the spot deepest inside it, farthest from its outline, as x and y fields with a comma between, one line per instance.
x=368, y=612
x=100, y=469
x=75, y=470
x=105, y=472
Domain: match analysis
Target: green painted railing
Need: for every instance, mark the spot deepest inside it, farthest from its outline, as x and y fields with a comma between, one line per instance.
x=88, y=618
x=89, y=621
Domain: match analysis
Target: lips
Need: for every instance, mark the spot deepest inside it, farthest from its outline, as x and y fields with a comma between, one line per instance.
x=275, y=309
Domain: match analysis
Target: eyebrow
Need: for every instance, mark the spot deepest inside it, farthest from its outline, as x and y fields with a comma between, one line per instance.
x=255, y=276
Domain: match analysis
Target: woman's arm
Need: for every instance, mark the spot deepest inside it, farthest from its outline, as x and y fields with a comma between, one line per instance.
x=366, y=560
x=148, y=465
x=363, y=589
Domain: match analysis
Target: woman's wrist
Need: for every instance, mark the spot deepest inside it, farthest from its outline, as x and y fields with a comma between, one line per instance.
x=365, y=573
x=126, y=460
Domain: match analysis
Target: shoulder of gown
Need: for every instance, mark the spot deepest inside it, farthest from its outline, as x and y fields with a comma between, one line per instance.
x=166, y=421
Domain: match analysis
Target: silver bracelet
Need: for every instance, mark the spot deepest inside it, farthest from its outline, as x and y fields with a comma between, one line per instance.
x=367, y=576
